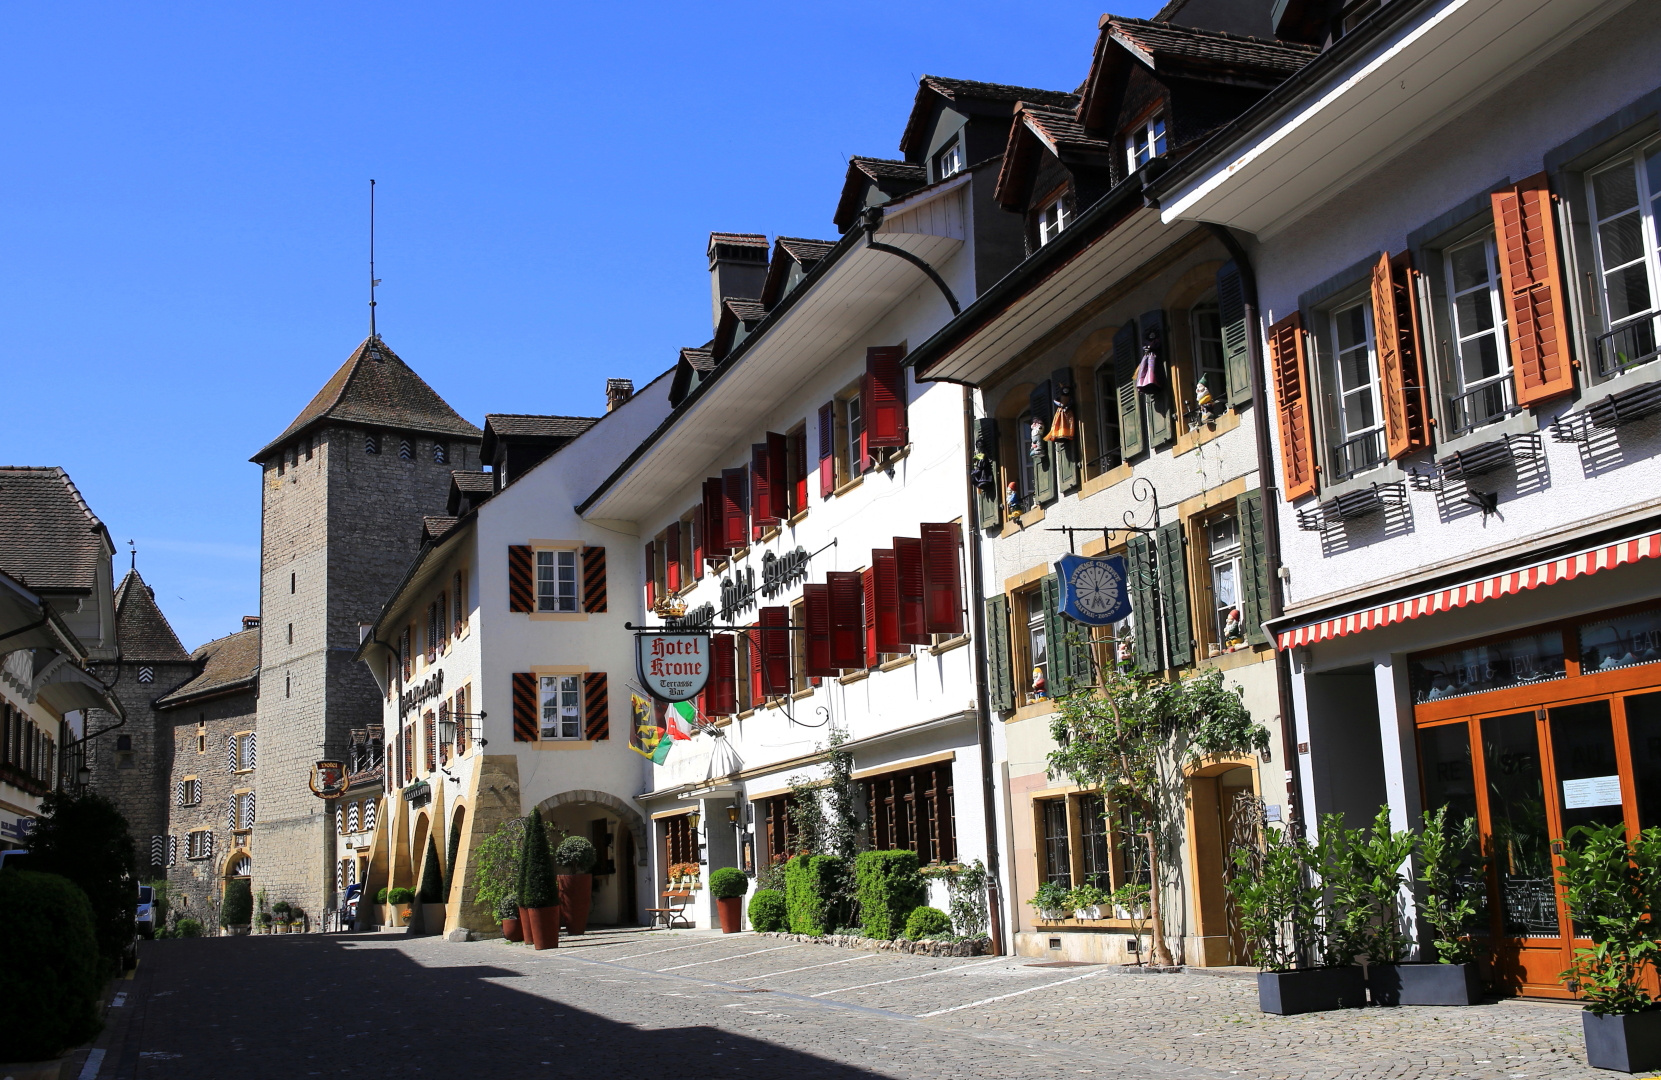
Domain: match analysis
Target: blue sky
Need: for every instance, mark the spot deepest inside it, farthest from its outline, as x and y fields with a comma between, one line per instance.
x=182, y=218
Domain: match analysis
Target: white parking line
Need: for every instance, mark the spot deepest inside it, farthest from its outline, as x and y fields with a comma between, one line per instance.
x=924, y=975
x=718, y=959
x=810, y=967
x=94, y=1062
x=1001, y=997
x=656, y=952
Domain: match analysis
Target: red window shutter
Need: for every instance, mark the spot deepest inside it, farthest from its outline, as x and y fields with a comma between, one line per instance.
x=761, y=489
x=1291, y=379
x=695, y=523
x=942, y=585
x=798, y=469
x=735, y=508
x=672, y=556
x=721, y=694
x=778, y=478
x=521, y=592
x=1396, y=337
x=1526, y=236
x=885, y=418
x=868, y=585
x=651, y=576
x=775, y=650
x=885, y=566
x=908, y=557
x=524, y=707
x=865, y=463
x=816, y=613
x=594, y=579
x=847, y=619
x=827, y=450
x=749, y=645
x=714, y=526
x=429, y=739
x=596, y=707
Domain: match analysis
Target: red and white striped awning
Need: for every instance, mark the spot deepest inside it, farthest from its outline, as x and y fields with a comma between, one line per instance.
x=1569, y=567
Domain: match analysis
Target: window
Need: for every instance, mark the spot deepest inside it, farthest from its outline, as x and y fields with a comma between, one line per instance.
x=201, y=736
x=1032, y=651
x=371, y=443
x=798, y=647
x=779, y=836
x=188, y=792
x=1083, y=842
x=1107, y=418
x=561, y=706
x=1223, y=552
x=1481, y=390
x=406, y=450
x=1052, y=219
x=1625, y=198
x=291, y=579
x=245, y=751
x=458, y=590
x=123, y=742
x=199, y=845
x=242, y=811
x=1146, y=142
x=680, y=842
x=1353, y=373
x=556, y=580
x=406, y=661
x=1026, y=477
x=854, y=427
x=1207, y=328
x=949, y=161
x=1058, y=859
x=912, y=809
x=441, y=454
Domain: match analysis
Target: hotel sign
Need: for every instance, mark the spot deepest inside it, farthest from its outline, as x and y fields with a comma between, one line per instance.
x=673, y=667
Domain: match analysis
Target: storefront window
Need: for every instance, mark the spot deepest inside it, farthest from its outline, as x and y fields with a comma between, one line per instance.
x=1450, y=781
x=1643, y=732
x=1621, y=642
x=1514, y=662
x=1521, y=837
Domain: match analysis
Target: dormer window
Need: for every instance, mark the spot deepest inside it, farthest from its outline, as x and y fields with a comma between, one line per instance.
x=1052, y=219
x=949, y=161
x=1146, y=142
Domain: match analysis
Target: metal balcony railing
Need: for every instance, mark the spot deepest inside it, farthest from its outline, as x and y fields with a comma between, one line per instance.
x=1626, y=347
x=1357, y=454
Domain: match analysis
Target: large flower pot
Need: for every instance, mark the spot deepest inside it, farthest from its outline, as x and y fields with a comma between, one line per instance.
x=576, y=897
x=526, y=925
x=1286, y=993
x=237, y=930
x=1424, y=984
x=34, y=1070
x=432, y=918
x=731, y=910
x=545, y=927
x=511, y=930
x=1629, y=1042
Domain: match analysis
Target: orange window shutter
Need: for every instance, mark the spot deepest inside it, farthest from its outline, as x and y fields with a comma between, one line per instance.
x=1396, y=337
x=1291, y=385
x=1532, y=270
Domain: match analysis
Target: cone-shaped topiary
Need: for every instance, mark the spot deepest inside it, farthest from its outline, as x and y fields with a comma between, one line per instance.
x=432, y=878
x=238, y=908
x=538, y=887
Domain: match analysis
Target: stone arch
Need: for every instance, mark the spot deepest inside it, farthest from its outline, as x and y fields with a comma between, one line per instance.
x=625, y=813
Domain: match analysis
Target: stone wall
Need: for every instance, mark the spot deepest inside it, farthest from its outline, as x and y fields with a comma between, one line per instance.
x=200, y=740
x=130, y=764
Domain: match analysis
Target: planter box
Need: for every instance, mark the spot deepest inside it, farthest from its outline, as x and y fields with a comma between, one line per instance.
x=1287, y=993
x=432, y=918
x=576, y=897
x=731, y=911
x=1424, y=984
x=1627, y=1043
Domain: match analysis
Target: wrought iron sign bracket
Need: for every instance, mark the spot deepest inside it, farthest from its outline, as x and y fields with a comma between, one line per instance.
x=1144, y=491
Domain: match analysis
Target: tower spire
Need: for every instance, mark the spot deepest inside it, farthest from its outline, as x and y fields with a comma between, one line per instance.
x=373, y=280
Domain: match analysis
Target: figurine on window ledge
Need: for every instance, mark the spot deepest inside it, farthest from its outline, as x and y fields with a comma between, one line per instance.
x=1038, y=683
x=1035, y=439
x=1063, y=428
x=1234, y=634
x=1012, y=498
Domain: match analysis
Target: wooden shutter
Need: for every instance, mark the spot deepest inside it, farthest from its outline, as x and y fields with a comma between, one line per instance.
x=1292, y=406
x=1532, y=269
x=1254, y=566
x=1043, y=466
x=868, y=588
x=521, y=584
x=1144, y=600
x=651, y=576
x=671, y=558
x=778, y=478
x=798, y=469
x=827, y=449
x=847, y=619
x=524, y=707
x=1231, y=312
x=863, y=452
x=885, y=565
x=735, y=507
x=885, y=397
x=429, y=739
x=775, y=650
x=1000, y=668
x=1162, y=426
x=1058, y=666
x=596, y=707
x=1173, y=592
x=594, y=579
x=750, y=645
x=942, y=579
x=721, y=692
x=1396, y=339
x=714, y=525
x=988, y=504
x=696, y=525
x=908, y=559
x=761, y=490
x=1064, y=453
x=1132, y=440
x=816, y=613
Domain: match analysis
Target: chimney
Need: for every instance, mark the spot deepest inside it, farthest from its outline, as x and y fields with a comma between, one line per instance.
x=737, y=268
x=250, y=622
x=617, y=392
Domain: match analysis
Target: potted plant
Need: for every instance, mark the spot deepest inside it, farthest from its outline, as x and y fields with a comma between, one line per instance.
x=538, y=886
x=398, y=906
x=50, y=968
x=575, y=858
x=1452, y=873
x=1363, y=878
x=1051, y=901
x=1612, y=888
x=297, y=919
x=728, y=885
x=507, y=913
x=236, y=912
x=280, y=910
x=265, y=922
x=1087, y=900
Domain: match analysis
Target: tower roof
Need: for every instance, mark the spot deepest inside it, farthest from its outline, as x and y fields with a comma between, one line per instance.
x=141, y=629
x=377, y=389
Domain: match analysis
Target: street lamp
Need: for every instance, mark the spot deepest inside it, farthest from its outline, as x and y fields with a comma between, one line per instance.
x=83, y=775
x=693, y=818
x=447, y=728
x=732, y=813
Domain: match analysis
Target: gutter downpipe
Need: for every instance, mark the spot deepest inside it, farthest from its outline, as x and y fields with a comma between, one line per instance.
x=1271, y=520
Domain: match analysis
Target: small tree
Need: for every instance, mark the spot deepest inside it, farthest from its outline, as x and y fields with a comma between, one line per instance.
x=85, y=839
x=1132, y=738
x=575, y=855
x=238, y=908
x=1451, y=869
x=538, y=887
x=1613, y=889
x=1361, y=874
x=494, y=863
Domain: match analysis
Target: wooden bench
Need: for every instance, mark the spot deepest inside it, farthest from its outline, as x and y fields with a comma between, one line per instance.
x=674, y=912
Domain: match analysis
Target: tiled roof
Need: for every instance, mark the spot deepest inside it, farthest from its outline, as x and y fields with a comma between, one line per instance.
x=881, y=169
x=1157, y=39
x=748, y=311
x=525, y=425
x=1062, y=130
x=434, y=526
x=955, y=89
x=699, y=359
x=49, y=537
x=738, y=239
x=806, y=252
x=141, y=630
x=227, y=663
x=472, y=482
x=377, y=389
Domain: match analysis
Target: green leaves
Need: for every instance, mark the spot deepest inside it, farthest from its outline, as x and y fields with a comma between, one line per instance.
x=1362, y=873
x=1279, y=907
x=1612, y=887
x=1454, y=875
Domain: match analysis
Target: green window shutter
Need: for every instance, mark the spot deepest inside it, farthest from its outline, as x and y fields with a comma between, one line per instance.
x=1144, y=601
x=1231, y=309
x=1000, y=675
x=1059, y=667
x=1162, y=425
x=1125, y=355
x=1043, y=466
x=1065, y=453
x=1079, y=655
x=1254, y=566
x=1173, y=592
x=988, y=503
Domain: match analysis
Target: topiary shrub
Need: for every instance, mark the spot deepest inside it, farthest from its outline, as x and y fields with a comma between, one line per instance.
x=889, y=888
x=507, y=908
x=575, y=855
x=538, y=887
x=85, y=839
x=393, y=896
x=432, y=877
x=49, y=965
x=926, y=922
x=768, y=913
x=380, y=896
x=728, y=882
x=188, y=928
x=814, y=886
x=238, y=907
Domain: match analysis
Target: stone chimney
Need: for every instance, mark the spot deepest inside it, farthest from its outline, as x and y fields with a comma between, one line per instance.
x=250, y=622
x=737, y=268
x=617, y=392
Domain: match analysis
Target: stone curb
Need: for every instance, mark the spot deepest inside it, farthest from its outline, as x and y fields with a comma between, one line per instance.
x=974, y=947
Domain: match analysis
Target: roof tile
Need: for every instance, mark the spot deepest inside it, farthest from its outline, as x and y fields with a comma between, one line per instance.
x=141, y=630
x=49, y=537
x=226, y=662
x=1213, y=46
x=527, y=425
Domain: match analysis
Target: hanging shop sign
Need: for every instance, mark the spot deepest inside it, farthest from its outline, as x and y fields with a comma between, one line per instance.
x=779, y=572
x=329, y=780
x=738, y=592
x=1095, y=592
x=415, y=695
x=702, y=615
x=673, y=667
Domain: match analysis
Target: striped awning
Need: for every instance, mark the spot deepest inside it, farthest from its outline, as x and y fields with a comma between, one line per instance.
x=1569, y=567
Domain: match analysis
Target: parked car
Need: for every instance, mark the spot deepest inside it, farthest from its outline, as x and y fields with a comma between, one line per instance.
x=145, y=920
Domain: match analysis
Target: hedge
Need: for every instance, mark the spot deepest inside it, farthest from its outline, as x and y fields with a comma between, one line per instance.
x=889, y=888
x=813, y=885
x=768, y=912
x=394, y=896
x=49, y=965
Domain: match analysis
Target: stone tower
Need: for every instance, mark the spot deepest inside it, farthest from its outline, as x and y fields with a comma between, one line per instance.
x=342, y=495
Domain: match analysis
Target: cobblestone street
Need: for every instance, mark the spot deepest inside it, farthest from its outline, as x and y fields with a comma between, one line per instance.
x=638, y=1004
